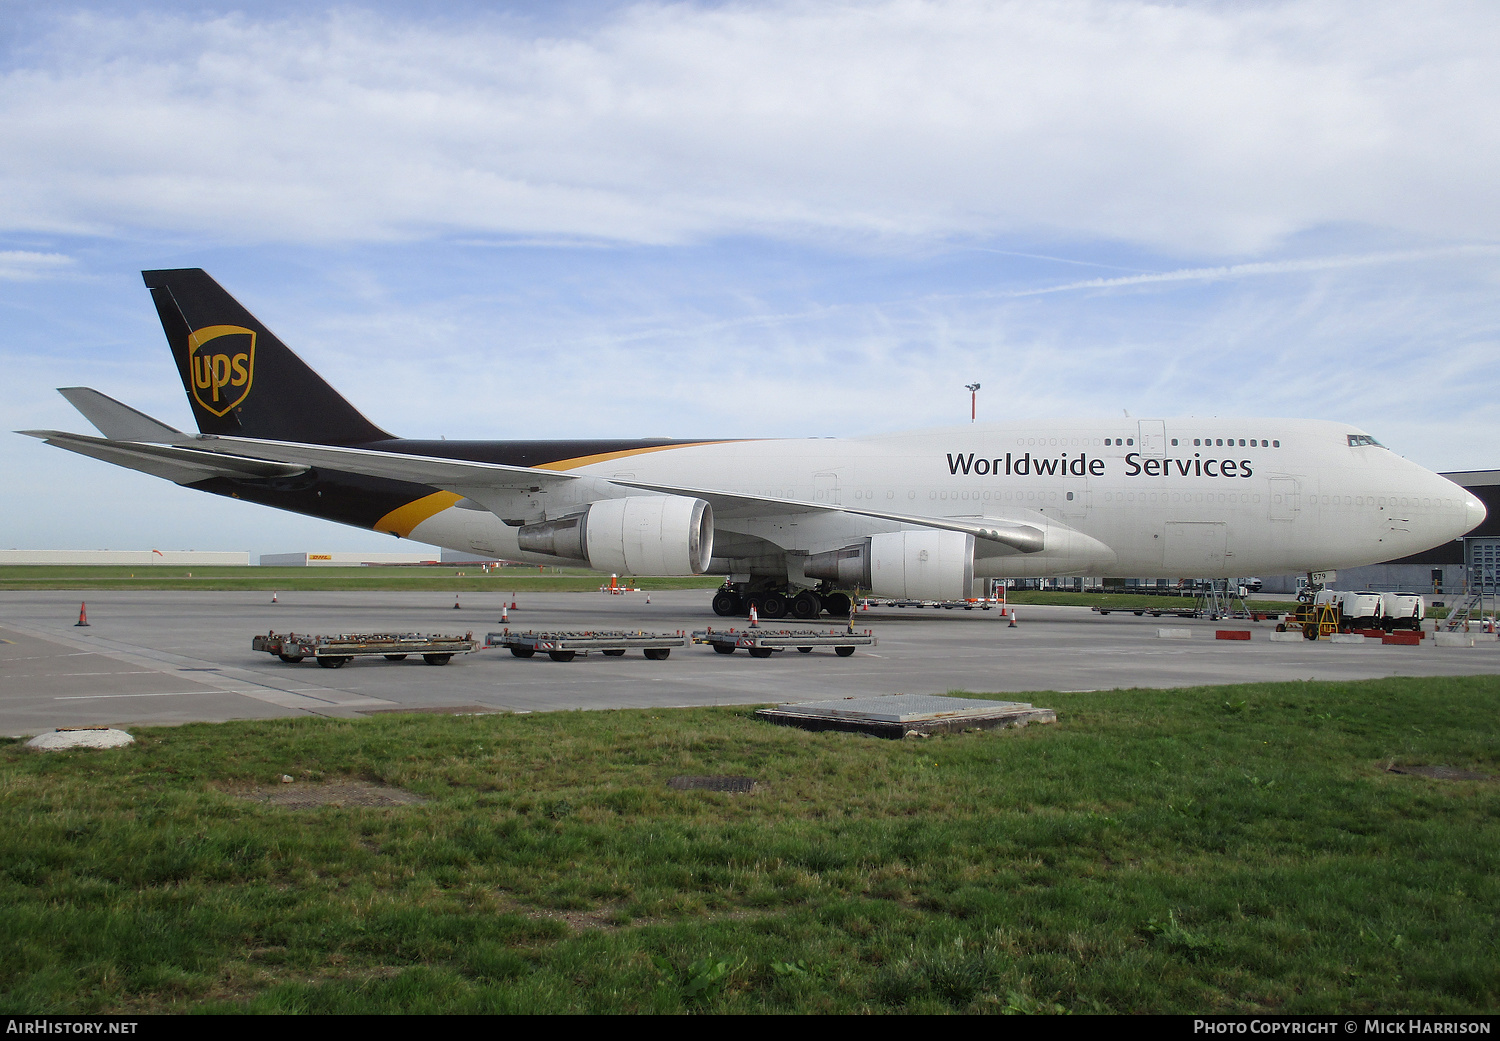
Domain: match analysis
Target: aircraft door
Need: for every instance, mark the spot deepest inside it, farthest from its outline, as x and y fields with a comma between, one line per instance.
x=1285, y=498
x=1153, y=437
x=826, y=488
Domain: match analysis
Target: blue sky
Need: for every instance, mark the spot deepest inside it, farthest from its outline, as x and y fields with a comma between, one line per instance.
x=723, y=220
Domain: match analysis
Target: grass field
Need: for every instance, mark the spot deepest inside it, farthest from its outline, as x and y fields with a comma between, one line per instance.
x=1228, y=849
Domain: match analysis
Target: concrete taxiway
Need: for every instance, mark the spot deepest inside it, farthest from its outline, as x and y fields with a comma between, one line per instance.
x=151, y=657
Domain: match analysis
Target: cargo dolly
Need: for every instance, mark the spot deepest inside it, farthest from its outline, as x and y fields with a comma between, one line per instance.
x=762, y=643
x=333, y=652
x=565, y=646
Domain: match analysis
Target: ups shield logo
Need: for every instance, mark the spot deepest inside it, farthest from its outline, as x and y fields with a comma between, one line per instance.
x=222, y=360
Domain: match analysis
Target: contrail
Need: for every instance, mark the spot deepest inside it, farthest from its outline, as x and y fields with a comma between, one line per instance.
x=1269, y=267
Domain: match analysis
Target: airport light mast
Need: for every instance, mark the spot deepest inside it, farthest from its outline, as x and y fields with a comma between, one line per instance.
x=973, y=400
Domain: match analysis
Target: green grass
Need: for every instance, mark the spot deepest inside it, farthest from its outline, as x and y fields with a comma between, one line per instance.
x=1214, y=849
x=446, y=578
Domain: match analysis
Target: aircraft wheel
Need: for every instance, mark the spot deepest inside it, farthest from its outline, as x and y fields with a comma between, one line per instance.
x=335, y=662
x=290, y=659
x=807, y=605
x=837, y=605
x=436, y=659
x=727, y=604
x=773, y=606
x=618, y=652
x=843, y=652
x=760, y=652
x=657, y=653
x=395, y=657
x=562, y=655
x=724, y=648
x=522, y=652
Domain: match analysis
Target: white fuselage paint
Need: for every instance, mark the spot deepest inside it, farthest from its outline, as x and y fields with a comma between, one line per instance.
x=1162, y=506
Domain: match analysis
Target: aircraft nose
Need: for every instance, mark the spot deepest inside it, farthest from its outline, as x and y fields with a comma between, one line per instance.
x=1475, y=511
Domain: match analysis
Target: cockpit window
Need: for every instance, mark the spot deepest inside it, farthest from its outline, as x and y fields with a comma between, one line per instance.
x=1358, y=440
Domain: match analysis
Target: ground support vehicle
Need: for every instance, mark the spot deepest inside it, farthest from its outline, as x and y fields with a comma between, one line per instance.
x=762, y=643
x=333, y=652
x=1189, y=613
x=976, y=603
x=565, y=646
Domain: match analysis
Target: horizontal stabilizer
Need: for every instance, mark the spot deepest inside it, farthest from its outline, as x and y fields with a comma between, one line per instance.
x=173, y=462
x=117, y=420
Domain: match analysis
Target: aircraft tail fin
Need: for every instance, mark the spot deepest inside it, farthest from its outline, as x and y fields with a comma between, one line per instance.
x=240, y=379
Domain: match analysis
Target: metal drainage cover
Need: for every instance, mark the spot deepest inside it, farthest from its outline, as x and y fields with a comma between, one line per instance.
x=713, y=784
x=343, y=793
x=904, y=708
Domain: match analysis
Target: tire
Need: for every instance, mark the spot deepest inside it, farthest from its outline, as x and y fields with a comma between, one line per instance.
x=773, y=606
x=436, y=659
x=290, y=659
x=724, y=648
x=395, y=657
x=335, y=661
x=804, y=650
x=616, y=653
x=837, y=605
x=759, y=652
x=657, y=653
x=843, y=652
x=807, y=605
x=562, y=655
x=727, y=604
x=522, y=652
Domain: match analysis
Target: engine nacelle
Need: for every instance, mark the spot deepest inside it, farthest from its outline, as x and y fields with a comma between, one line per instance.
x=919, y=565
x=636, y=535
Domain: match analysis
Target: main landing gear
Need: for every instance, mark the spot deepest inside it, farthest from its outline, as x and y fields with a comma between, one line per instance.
x=771, y=604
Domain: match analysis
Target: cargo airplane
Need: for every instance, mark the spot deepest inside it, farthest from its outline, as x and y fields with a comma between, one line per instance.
x=791, y=523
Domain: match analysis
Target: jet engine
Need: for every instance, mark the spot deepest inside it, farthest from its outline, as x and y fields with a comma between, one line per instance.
x=921, y=565
x=636, y=535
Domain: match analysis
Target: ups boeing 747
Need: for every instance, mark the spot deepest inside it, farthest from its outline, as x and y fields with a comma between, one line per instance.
x=789, y=522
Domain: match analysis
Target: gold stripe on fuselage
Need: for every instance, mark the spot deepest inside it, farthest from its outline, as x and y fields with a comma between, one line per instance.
x=403, y=519
x=604, y=457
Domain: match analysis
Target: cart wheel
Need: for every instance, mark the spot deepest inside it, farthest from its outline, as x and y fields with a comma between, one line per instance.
x=657, y=653
x=290, y=659
x=522, y=652
x=843, y=652
x=395, y=657
x=804, y=650
x=335, y=661
x=760, y=652
x=724, y=648
x=617, y=652
x=436, y=659
x=562, y=655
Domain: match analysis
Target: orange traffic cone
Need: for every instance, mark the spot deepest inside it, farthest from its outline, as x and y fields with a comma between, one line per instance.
x=512, y=601
x=273, y=596
x=1012, y=624
x=83, y=615
x=754, y=618
x=504, y=614
x=455, y=601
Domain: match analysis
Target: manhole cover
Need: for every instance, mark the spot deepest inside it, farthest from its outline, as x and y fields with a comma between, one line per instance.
x=713, y=784
x=337, y=793
x=1440, y=773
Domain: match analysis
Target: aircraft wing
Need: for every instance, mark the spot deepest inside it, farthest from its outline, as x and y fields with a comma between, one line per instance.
x=1023, y=538
x=178, y=463
x=454, y=475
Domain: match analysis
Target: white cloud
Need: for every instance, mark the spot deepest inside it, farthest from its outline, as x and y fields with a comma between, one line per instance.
x=1186, y=127
x=19, y=265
